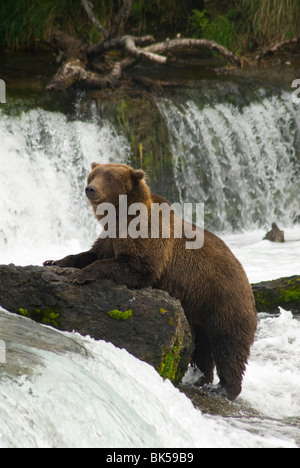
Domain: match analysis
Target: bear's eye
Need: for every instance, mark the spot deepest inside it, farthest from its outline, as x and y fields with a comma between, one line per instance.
x=108, y=177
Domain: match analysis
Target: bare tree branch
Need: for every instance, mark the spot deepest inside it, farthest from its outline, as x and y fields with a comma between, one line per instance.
x=120, y=67
x=134, y=51
x=278, y=46
x=121, y=17
x=127, y=43
x=81, y=59
x=116, y=44
x=153, y=52
x=88, y=8
x=74, y=70
x=182, y=45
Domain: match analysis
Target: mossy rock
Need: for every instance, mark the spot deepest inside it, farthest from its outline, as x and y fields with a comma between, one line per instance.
x=169, y=367
x=283, y=292
x=149, y=323
x=47, y=316
x=119, y=315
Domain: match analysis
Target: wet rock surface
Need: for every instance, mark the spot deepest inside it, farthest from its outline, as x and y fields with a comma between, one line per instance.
x=283, y=292
x=148, y=323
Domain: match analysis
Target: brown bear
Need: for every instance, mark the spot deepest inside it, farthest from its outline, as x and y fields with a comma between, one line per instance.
x=209, y=281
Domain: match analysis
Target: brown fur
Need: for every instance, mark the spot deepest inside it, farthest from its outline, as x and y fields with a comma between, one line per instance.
x=210, y=281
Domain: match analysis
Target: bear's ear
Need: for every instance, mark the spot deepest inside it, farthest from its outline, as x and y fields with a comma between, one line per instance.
x=94, y=164
x=138, y=175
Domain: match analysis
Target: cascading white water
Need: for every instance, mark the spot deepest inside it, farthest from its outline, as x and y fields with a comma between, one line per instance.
x=44, y=161
x=242, y=161
x=69, y=391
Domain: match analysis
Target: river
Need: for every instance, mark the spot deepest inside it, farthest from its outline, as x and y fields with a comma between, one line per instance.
x=236, y=149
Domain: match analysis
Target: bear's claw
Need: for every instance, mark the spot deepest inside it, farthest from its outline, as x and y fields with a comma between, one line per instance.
x=49, y=263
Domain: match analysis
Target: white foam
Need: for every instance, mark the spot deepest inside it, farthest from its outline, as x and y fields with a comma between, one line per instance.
x=110, y=399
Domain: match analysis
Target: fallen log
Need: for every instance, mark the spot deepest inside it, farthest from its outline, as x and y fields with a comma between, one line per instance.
x=277, y=47
x=148, y=323
x=83, y=62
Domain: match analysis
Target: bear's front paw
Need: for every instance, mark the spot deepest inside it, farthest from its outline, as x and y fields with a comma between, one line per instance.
x=49, y=263
x=80, y=277
x=60, y=263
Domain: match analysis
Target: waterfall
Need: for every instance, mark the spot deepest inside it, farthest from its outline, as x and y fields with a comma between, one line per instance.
x=241, y=159
x=44, y=162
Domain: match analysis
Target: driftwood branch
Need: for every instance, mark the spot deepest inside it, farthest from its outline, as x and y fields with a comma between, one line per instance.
x=184, y=45
x=83, y=60
x=88, y=8
x=121, y=17
x=75, y=72
x=131, y=49
x=116, y=44
x=67, y=75
x=280, y=45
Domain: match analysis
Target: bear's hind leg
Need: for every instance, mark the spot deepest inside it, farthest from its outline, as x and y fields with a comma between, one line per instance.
x=203, y=357
x=230, y=359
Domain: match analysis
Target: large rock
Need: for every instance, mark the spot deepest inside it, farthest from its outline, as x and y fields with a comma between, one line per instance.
x=148, y=323
x=282, y=292
x=275, y=235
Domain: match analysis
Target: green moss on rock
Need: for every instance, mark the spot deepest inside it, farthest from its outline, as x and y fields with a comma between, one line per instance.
x=284, y=292
x=48, y=316
x=119, y=315
x=24, y=313
x=169, y=367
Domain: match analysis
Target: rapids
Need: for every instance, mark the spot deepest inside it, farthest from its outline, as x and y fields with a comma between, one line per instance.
x=242, y=160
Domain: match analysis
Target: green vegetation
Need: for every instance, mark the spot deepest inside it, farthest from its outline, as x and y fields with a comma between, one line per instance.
x=169, y=367
x=240, y=25
x=119, y=315
x=48, y=316
x=283, y=293
x=246, y=25
x=220, y=29
x=271, y=21
x=26, y=24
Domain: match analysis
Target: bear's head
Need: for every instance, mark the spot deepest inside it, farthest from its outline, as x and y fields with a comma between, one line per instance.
x=107, y=181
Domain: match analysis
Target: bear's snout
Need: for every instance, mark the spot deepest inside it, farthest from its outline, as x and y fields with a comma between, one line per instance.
x=91, y=191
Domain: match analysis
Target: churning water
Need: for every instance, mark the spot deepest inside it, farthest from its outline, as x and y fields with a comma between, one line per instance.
x=78, y=392
x=100, y=396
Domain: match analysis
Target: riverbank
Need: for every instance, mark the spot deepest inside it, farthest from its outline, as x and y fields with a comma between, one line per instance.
x=33, y=71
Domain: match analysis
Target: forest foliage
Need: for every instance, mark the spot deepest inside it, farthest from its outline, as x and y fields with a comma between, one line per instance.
x=242, y=26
